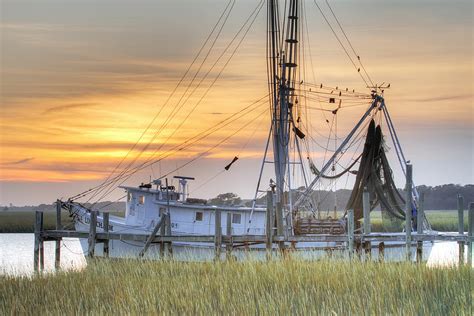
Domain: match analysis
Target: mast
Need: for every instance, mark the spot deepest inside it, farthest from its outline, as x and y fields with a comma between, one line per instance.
x=282, y=64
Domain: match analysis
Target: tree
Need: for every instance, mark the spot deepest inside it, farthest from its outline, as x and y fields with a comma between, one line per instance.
x=228, y=199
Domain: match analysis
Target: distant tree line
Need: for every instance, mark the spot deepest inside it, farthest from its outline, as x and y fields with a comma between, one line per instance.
x=442, y=197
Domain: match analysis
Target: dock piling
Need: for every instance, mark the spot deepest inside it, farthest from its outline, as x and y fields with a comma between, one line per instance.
x=350, y=232
x=408, y=210
x=106, y=230
x=470, y=230
x=269, y=225
x=38, y=239
x=57, y=253
x=228, y=233
x=461, y=227
x=420, y=215
x=218, y=234
x=92, y=235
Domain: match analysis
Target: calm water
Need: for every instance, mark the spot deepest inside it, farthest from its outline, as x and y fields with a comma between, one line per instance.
x=16, y=254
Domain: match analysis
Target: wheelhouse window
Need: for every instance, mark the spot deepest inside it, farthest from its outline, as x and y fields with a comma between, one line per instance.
x=199, y=216
x=236, y=218
x=141, y=199
x=129, y=197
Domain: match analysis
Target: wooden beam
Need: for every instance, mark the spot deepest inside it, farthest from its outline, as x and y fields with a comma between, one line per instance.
x=151, y=237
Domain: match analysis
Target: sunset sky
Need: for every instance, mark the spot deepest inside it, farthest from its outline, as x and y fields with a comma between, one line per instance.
x=81, y=80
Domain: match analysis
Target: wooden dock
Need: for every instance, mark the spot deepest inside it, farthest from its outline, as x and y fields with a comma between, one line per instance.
x=274, y=240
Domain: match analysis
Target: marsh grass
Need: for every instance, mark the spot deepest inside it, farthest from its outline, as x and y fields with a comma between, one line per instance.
x=242, y=288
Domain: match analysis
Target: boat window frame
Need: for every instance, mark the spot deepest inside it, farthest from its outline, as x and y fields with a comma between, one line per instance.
x=201, y=213
x=141, y=199
x=236, y=216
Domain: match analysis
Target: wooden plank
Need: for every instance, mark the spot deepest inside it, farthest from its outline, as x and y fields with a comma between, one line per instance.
x=269, y=225
x=105, y=224
x=408, y=210
x=218, y=234
x=57, y=252
x=92, y=235
x=38, y=229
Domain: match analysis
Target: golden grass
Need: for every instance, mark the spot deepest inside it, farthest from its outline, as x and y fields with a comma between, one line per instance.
x=243, y=288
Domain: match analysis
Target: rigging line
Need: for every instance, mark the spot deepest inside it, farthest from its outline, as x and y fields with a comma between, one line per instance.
x=256, y=12
x=170, y=96
x=207, y=181
x=104, y=206
x=238, y=155
x=233, y=117
x=348, y=41
x=340, y=42
x=221, y=71
x=178, y=106
x=216, y=145
x=185, y=145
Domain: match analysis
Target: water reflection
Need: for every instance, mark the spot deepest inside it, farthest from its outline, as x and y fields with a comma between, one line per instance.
x=16, y=254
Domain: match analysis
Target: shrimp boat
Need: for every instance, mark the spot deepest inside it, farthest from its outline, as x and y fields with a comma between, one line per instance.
x=295, y=205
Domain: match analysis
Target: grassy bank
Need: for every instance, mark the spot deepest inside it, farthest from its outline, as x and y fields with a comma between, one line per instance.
x=279, y=287
x=23, y=222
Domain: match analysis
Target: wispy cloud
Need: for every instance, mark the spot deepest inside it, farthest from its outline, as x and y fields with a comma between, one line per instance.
x=67, y=107
x=19, y=162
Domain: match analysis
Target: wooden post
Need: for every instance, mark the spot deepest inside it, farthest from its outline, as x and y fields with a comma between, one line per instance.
x=169, y=246
x=57, y=254
x=366, y=210
x=461, y=227
x=279, y=222
x=162, y=233
x=105, y=223
x=229, y=236
x=367, y=228
x=38, y=231
x=218, y=234
x=420, y=216
x=92, y=234
x=408, y=210
x=381, y=251
x=350, y=232
x=269, y=224
x=41, y=245
x=470, y=229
